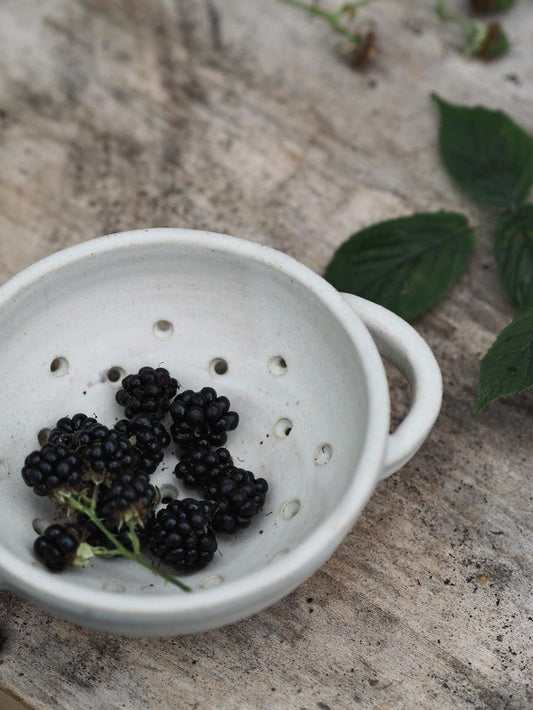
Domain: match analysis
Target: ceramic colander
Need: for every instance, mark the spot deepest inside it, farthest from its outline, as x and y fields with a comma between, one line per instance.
x=297, y=359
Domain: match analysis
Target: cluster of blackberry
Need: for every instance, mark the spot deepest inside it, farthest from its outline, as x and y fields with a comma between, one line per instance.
x=85, y=466
x=238, y=494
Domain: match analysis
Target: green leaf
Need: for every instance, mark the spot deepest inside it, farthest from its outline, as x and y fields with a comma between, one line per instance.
x=513, y=242
x=507, y=368
x=486, y=153
x=405, y=264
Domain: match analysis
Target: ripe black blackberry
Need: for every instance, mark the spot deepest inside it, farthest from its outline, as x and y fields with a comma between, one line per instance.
x=65, y=428
x=202, y=417
x=239, y=496
x=181, y=534
x=148, y=392
x=130, y=498
x=56, y=548
x=148, y=437
x=199, y=465
x=55, y=467
x=105, y=452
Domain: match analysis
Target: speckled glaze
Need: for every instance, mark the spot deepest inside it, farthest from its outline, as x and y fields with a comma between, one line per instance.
x=303, y=371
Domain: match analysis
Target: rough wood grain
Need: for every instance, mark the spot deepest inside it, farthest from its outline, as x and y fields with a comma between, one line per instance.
x=239, y=117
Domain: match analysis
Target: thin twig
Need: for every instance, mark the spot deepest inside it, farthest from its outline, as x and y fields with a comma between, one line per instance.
x=136, y=556
x=334, y=19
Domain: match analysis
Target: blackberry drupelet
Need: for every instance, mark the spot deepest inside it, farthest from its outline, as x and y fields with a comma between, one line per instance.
x=130, y=498
x=239, y=496
x=91, y=435
x=65, y=428
x=55, y=467
x=202, y=417
x=148, y=392
x=148, y=437
x=200, y=465
x=105, y=452
x=181, y=534
x=56, y=548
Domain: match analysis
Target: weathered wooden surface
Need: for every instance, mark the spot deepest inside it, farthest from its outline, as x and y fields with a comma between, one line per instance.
x=239, y=117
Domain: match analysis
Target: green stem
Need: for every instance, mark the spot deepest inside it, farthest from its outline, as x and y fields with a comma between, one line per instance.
x=102, y=552
x=332, y=18
x=487, y=222
x=136, y=556
x=446, y=14
x=134, y=539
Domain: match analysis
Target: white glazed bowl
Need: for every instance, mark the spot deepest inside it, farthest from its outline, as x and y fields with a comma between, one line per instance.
x=303, y=372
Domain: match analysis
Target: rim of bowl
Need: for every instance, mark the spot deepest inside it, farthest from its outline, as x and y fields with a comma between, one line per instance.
x=300, y=562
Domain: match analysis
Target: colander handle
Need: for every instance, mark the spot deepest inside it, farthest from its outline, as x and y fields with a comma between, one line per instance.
x=400, y=343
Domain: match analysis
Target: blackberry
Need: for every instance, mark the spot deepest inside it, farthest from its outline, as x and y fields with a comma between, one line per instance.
x=105, y=452
x=64, y=430
x=148, y=392
x=148, y=437
x=200, y=465
x=239, y=496
x=181, y=534
x=56, y=548
x=130, y=498
x=202, y=417
x=53, y=468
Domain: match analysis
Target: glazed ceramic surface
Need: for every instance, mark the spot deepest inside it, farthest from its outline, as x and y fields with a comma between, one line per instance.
x=303, y=371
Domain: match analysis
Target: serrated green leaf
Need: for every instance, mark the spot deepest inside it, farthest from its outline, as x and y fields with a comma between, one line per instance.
x=513, y=242
x=486, y=153
x=507, y=368
x=405, y=264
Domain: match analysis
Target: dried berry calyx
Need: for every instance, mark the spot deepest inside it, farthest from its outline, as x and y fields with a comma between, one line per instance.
x=494, y=44
x=486, y=41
